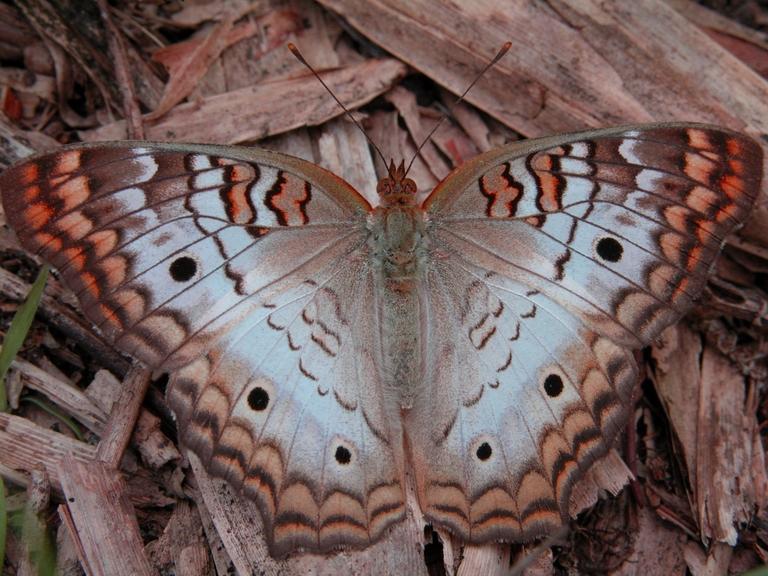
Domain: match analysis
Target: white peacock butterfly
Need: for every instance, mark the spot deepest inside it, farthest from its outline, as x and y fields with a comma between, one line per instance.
x=311, y=337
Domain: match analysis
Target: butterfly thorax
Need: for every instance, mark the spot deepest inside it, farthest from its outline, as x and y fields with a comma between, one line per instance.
x=397, y=231
x=398, y=255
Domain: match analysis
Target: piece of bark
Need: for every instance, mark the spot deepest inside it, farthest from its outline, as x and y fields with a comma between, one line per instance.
x=748, y=44
x=25, y=81
x=101, y=518
x=24, y=444
x=119, y=58
x=99, y=511
x=221, y=559
x=49, y=23
x=655, y=548
x=469, y=120
x=123, y=416
x=405, y=102
x=712, y=20
x=574, y=64
x=452, y=141
x=185, y=73
x=704, y=396
x=259, y=111
x=17, y=144
x=183, y=532
x=678, y=357
x=343, y=149
x=67, y=558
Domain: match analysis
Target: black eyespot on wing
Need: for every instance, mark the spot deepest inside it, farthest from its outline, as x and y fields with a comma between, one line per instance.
x=343, y=455
x=609, y=249
x=258, y=399
x=183, y=269
x=553, y=385
x=484, y=451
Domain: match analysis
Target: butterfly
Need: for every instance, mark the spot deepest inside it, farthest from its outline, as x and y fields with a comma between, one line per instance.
x=320, y=348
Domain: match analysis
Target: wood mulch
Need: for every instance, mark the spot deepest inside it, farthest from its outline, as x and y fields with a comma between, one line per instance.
x=685, y=490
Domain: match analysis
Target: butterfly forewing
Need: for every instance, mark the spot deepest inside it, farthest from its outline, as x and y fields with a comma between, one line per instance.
x=622, y=227
x=167, y=248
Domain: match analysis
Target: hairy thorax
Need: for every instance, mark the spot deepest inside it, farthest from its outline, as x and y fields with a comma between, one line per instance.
x=399, y=254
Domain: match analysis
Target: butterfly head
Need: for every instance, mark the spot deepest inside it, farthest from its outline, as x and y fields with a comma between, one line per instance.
x=396, y=188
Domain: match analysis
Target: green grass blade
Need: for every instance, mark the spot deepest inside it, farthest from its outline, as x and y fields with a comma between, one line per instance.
x=52, y=411
x=18, y=330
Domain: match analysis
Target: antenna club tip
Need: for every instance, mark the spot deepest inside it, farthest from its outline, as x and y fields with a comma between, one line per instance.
x=295, y=51
x=506, y=46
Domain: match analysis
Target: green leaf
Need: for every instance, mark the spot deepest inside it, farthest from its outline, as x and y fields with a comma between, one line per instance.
x=18, y=330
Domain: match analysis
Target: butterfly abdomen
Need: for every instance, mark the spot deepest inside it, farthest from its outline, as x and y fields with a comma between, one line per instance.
x=398, y=257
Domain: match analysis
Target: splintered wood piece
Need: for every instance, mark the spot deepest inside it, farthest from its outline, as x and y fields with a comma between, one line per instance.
x=182, y=541
x=62, y=394
x=154, y=446
x=102, y=519
x=123, y=417
x=186, y=74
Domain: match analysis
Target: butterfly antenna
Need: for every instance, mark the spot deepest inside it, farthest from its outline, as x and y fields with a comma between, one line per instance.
x=504, y=50
x=300, y=58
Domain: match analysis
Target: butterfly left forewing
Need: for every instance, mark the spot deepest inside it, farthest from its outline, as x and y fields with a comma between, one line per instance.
x=550, y=260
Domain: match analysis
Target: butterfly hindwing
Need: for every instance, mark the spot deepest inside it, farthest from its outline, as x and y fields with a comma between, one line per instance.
x=289, y=408
x=521, y=397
